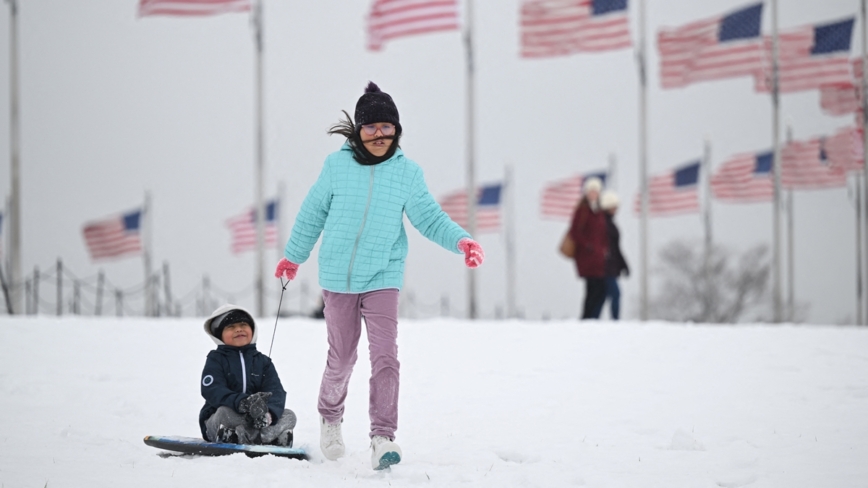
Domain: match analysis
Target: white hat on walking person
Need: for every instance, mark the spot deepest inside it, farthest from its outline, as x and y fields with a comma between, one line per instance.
x=609, y=200
x=592, y=184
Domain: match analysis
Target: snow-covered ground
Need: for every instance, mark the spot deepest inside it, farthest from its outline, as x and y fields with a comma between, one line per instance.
x=482, y=404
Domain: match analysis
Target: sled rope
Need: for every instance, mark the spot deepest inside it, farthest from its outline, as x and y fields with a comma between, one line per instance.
x=279, y=302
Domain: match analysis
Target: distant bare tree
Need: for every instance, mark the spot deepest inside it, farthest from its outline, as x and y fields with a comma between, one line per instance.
x=723, y=292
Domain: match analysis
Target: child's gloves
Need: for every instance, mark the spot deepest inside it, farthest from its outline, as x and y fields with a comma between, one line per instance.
x=473, y=253
x=261, y=422
x=255, y=408
x=255, y=404
x=286, y=269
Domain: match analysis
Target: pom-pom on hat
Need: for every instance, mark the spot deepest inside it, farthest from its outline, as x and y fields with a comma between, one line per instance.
x=376, y=106
x=592, y=184
x=609, y=200
x=233, y=316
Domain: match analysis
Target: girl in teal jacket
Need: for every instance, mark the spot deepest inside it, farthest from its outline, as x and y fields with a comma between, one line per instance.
x=358, y=205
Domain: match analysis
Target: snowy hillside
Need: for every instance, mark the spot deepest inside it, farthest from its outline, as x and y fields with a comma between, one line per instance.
x=482, y=404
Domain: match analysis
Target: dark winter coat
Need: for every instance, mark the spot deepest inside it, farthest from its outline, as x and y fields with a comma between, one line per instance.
x=231, y=374
x=615, y=262
x=588, y=230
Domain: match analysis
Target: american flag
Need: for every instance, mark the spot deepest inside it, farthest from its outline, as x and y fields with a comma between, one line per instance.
x=559, y=198
x=242, y=229
x=844, y=149
x=114, y=237
x=191, y=7
x=744, y=178
x=487, y=207
x=843, y=98
x=396, y=18
x=563, y=27
x=805, y=166
x=720, y=47
x=810, y=57
x=672, y=193
x=840, y=99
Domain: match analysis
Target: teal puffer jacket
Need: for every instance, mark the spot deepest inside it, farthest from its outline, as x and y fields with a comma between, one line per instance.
x=360, y=212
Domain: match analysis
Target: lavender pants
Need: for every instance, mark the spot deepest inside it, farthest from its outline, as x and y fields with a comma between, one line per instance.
x=343, y=316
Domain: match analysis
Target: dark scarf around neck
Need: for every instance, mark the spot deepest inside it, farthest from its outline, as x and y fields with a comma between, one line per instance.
x=364, y=157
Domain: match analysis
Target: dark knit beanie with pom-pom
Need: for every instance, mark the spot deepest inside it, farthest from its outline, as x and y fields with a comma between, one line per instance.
x=373, y=107
x=376, y=106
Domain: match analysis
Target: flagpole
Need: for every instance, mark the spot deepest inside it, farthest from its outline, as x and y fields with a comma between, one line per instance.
x=471, y=173
x=5, y=265
x=791, y=263
x=706, y=180
x=864, y=124
x=643, y=167
x=14, y=218
x=259, y=214
x=509, y=207
x=278, y=222
x=4, y=235
x=776, y=165
x=145, y=230
x=859, y=250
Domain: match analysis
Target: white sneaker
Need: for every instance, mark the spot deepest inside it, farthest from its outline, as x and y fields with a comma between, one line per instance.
x=330, y=439
x=384, y=452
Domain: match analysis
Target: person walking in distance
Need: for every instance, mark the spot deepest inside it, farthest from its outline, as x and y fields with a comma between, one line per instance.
x=616, y=264
x=358, y=205
x=588, y=232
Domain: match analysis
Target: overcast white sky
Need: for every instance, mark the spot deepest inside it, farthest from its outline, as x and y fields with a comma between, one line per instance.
x=113, y=106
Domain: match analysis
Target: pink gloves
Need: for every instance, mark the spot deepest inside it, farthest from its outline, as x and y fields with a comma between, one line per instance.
x=286, y=269
x=473, y=253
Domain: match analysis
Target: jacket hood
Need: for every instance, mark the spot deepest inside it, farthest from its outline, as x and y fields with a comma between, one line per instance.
x=220, y=311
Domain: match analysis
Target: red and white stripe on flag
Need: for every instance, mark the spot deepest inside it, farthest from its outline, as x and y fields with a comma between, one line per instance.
x=805, y=166
x=666, y=198
x=191, y=7
x=695, y=52
x=487, y=216
x=807, y=73
x=559, y=198
x=692, y=54
x=114, y=237
x=242, y=229
x=840, y=99
x=744, y=179
x=843, y=98
x=844, y=149
x=563, y=27
x=389, y=19
x=805, y=62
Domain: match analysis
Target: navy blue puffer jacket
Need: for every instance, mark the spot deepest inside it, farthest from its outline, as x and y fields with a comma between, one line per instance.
x=232, y=374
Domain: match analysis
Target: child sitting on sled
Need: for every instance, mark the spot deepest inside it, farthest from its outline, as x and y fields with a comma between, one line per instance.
x=244, y=399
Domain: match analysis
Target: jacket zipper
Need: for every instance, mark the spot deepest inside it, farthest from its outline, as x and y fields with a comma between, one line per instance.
x=361, y=228
x=243, y=373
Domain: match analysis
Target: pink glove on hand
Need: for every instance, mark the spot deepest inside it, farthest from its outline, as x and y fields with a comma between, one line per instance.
x=286, y=269
x=473, y=253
